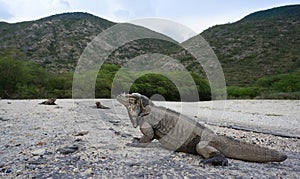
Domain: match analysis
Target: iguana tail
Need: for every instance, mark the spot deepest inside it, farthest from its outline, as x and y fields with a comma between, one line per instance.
x=235, y=149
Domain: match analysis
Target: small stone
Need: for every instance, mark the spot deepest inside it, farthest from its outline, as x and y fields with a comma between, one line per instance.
x=82, y=133
x=75, y=170
x=37, y=161
x=8, y=170
x=68, y=149
x=41, y=143
x=78, y=140
x=88, y=171
x=35, y=157
x=2, y=119
x=19, y=172
x=114, y=121
x=38, y=152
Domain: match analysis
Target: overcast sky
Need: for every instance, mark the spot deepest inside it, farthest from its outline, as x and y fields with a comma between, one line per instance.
x=198, y=15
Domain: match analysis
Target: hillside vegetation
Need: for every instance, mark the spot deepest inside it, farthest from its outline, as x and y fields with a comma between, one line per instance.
x=260, y=56
x=260, y=45
x=25, y=79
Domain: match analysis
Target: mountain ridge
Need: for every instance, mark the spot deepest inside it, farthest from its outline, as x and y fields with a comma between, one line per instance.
x=278, y=12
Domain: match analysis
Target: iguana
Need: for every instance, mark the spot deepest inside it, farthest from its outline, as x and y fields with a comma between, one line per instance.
x=100, y=106
x=50, y=101
x=178, y=132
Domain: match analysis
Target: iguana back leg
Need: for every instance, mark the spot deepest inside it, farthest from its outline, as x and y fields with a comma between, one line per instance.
x=211, y=154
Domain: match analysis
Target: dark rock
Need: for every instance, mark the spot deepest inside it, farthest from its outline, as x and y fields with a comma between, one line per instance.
x=78, y=140
x=6, y=170
x=82, y=133
x=125, y=135
x=133, y=164
x=2, y=119
x=114, y=121
x=68, y=149
x=39, y=161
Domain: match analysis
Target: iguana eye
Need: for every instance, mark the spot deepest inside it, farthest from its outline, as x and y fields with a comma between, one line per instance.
x=132, y=101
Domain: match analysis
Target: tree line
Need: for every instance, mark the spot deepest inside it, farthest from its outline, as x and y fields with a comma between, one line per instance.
x=22, y=79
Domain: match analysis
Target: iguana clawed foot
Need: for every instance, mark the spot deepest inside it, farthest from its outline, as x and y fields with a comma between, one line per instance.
x=218, y=159
x=136, y=142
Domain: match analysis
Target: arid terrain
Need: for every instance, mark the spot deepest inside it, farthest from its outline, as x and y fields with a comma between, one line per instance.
x=74, y=139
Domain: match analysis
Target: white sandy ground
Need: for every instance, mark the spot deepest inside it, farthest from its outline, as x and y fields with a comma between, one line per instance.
x=32, y=134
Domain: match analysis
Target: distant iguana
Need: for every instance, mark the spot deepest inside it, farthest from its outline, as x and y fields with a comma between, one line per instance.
x=180, y=133
x=50, y=101
x=100, y=106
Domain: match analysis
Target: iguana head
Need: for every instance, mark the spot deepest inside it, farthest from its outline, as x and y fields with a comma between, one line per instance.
x=137, y=106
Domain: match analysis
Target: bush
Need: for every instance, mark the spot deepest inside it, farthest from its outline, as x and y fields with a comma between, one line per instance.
x=105, y=79
x=236, y=92
x=150, y=84
x=21, y=79
x=280, y=95
x=283, y=86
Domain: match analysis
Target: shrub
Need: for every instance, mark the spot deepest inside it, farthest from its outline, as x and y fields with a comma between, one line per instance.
x=241, y=92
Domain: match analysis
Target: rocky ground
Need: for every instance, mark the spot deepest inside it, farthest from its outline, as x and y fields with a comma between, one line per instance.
x=73, y=139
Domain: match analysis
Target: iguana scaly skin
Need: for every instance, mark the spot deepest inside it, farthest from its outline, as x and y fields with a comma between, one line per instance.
x=180, y=133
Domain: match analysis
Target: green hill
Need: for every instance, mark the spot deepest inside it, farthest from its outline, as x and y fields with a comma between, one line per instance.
x=262, y=44
x=56, y=42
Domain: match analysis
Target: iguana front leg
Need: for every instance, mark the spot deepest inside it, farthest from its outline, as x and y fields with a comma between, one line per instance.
x=211, y=154
x=148, y=132
x=145, y=140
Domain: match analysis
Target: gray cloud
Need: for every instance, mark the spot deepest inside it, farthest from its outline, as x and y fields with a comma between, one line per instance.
x=170, y=28
x=65, y=3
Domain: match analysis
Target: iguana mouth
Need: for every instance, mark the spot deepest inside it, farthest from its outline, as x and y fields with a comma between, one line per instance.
x=123, y=99
x=126, y=100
